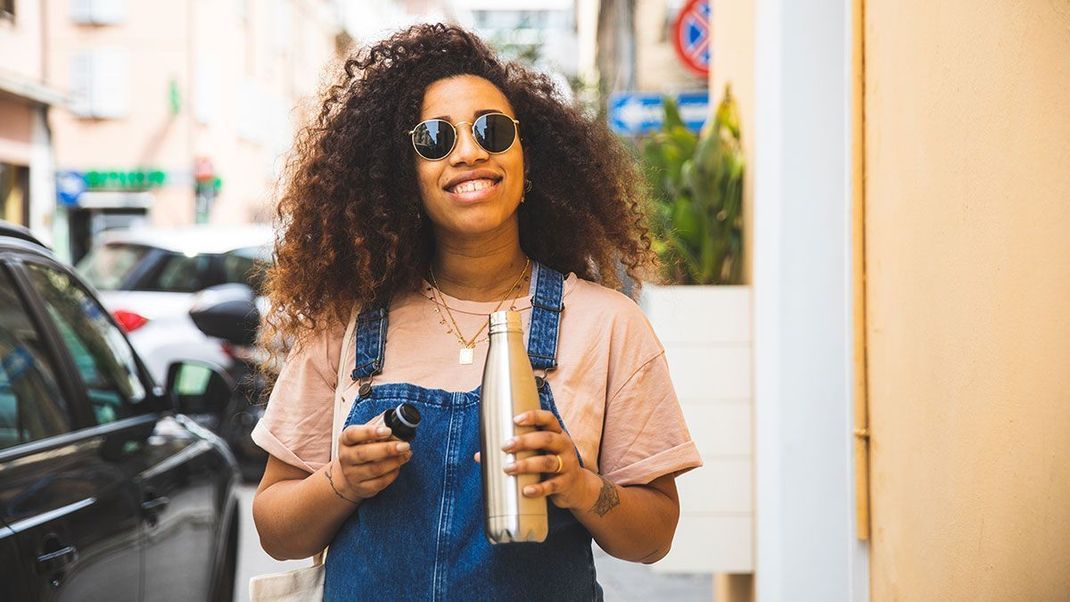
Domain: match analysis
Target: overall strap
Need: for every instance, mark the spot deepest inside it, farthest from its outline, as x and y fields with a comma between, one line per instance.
x=371, y=342
x=546, y=308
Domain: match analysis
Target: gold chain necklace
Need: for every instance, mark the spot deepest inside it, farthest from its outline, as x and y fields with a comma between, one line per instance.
x=468, y=346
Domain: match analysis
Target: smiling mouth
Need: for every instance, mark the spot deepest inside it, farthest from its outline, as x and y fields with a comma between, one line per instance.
x=472, y=185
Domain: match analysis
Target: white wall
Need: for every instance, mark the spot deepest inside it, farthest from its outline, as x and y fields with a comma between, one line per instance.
x=806, y=547
x=42, y=178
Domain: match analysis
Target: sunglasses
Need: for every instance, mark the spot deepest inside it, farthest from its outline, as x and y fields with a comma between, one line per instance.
x=434, y=139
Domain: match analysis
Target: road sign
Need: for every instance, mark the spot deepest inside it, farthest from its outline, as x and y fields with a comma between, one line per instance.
x=691, y=36
x=69, y=186
x=634, y=113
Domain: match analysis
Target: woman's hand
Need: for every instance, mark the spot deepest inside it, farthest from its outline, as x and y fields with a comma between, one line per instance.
x=568, y=485
x=366, y=464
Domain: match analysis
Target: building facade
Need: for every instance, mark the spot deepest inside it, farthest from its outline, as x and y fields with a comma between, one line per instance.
x=180, y=112
x=26, y=189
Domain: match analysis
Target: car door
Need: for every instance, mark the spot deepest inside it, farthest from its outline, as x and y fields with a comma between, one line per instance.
x=179, y=470
x=13, y=586
x=68, y=505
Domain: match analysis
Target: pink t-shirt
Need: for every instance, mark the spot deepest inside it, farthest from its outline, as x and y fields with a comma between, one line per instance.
x=611, y=386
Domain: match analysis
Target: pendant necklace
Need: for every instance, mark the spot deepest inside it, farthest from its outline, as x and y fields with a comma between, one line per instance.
x=467, y=353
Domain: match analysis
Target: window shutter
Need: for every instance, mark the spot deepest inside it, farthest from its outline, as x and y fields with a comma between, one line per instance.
x=98, y=12
x=100, y=83
x=111, y=83
x=82, y=83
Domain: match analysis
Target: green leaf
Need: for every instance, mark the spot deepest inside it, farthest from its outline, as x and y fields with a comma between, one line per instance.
x=672, y=114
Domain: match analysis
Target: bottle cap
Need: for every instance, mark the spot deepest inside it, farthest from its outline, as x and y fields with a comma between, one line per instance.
x=505, y=320
x=403, y=421
x=408, y=415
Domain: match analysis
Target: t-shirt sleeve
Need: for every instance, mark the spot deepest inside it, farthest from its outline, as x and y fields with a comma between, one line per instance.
x=644, y=435
x=296, y=426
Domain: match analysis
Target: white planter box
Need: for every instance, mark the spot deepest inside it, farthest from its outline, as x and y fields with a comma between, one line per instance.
x=706, y=331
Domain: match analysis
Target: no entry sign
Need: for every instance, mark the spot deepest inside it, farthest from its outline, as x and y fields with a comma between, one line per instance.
x=691, y=36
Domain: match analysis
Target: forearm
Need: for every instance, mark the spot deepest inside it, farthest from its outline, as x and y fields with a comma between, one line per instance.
x=634, y=523
x=297, y=518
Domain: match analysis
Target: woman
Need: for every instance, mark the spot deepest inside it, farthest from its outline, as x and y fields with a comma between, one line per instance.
x=436, y=186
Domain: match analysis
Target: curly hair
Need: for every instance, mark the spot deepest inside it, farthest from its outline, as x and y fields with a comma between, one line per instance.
x=351, y=226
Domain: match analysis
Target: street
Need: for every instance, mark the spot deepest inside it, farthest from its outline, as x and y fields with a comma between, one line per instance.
x=621, y=581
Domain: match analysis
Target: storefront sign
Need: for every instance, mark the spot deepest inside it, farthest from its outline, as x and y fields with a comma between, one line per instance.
x=137, y=179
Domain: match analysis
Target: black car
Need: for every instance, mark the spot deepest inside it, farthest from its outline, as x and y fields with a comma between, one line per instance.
x=108, y=490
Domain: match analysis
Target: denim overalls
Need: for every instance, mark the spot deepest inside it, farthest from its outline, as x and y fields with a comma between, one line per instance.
x=422, y=537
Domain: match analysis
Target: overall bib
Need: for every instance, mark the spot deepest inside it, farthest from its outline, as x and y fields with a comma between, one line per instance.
x=422, y=537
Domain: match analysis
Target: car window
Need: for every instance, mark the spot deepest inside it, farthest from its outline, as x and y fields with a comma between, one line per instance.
x=246, y=266
x=106, y=267
x=31, y=405
x=180, y=274
x=102, y=356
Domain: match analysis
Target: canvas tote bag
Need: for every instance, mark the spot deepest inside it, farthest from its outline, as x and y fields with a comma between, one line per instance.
x=303, y=584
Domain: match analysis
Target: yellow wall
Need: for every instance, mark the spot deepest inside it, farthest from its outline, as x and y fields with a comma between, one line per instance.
x=732, y=62
x=968, y=274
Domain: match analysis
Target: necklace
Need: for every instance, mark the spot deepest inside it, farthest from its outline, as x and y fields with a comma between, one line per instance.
x=468, y=346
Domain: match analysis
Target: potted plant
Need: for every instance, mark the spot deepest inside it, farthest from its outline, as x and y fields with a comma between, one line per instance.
x=701, y=313
x=697, y=185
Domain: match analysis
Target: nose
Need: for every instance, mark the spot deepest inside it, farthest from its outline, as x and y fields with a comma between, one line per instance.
x=467, y=151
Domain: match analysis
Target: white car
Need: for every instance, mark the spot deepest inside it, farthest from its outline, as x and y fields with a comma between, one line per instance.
x=148, y=278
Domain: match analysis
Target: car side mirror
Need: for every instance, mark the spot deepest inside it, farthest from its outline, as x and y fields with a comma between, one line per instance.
x=198, y=388
x=228, y=312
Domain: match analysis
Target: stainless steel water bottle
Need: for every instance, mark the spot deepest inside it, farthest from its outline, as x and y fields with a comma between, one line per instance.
x=508, y=390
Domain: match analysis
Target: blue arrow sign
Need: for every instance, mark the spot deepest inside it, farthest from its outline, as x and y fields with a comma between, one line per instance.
x=634, y=113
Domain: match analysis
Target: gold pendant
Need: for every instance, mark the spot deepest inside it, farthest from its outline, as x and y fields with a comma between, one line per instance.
x=467, y=355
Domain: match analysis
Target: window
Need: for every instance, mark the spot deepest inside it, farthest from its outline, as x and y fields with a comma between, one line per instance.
x=246, y=266
x=107, y=267
x=102, y=356
x=98, y=12
x=100, y=83
x=14, y=193
x=31, y=405
x=180, y=274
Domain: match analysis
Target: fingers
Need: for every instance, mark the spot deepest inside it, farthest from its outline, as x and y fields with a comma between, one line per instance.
x=369, y=471
x=543, y=464
x=371, y=487
x=380, y=483
x=371, y=452
x=356, y=434
x=542, y=419
x=476, y=457
x=539, y=440
x=545, y=488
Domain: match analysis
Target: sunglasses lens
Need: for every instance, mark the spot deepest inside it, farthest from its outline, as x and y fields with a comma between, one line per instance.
x=434, y=139
x=495, y=132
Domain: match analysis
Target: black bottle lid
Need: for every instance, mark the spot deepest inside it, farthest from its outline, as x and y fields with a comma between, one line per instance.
x=403, y=421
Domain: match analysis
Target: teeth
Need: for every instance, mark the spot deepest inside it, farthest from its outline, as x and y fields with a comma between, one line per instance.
x=473, y=185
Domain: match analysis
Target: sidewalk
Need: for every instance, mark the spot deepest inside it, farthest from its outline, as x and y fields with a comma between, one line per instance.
x=632, y=582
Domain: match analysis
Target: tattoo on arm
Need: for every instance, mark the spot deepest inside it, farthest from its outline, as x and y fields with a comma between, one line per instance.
x=608, y=498
x=327, y=473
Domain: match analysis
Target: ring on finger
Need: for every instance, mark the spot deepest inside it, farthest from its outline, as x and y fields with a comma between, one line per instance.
x=560, y=463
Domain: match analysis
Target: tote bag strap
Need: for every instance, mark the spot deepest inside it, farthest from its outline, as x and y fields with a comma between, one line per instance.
x=339, y=388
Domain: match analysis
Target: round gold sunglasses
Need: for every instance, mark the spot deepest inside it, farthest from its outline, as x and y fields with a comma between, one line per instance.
x=434, y=139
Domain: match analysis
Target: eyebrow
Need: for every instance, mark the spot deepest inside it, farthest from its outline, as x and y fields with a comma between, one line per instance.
x=475, y=115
